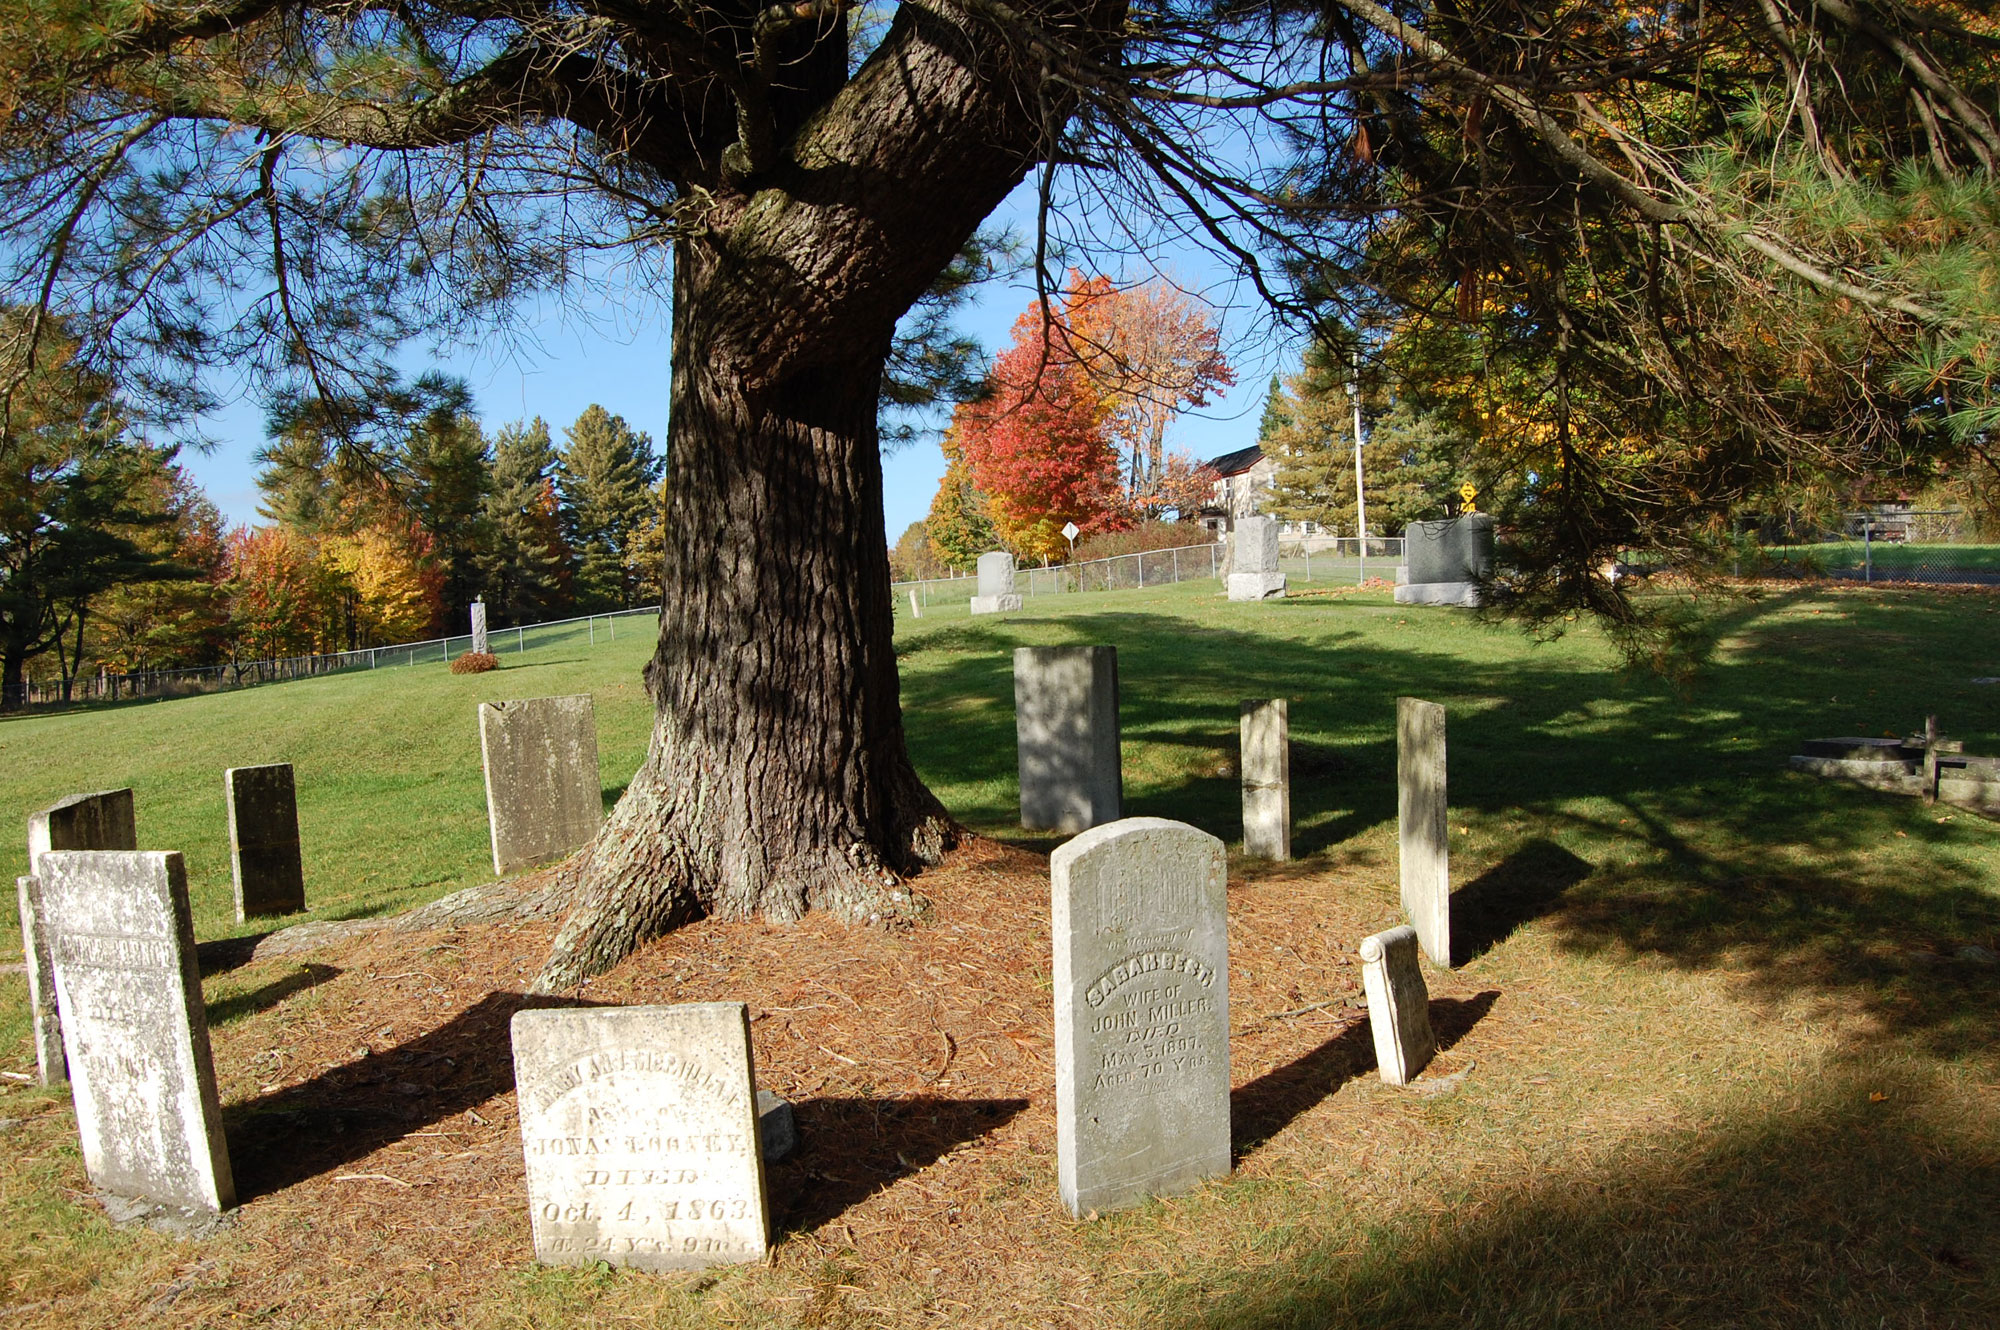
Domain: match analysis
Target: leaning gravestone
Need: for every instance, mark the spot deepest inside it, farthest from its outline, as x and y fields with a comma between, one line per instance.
x=1253, y=561
x=1423, y=843
x=264, y=858
x=1264, y=742
x=996, y=584
x=479, y=645
x=543, y=797
x=134, y=1026
x=1066, y=729
x=1142, y=1013
x=1399, y=1006
x=1446, y=561
x=640, y=1129
x=100, y=821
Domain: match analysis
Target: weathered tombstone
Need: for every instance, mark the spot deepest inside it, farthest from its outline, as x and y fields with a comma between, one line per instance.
x=264, y=858
x=640, y=1128
x=1253, y=563
x=100, y=821
x=1423, y=836
x=996, y=584
x=543, y=797
x=479, y=627
x=1399, y=1006
x=1446, y=561
x=1265, y=762
x=1142, y=1012
x=1066, y=728
x=134, y=1026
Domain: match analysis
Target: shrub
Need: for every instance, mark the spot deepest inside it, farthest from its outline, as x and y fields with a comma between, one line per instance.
x=1139, y=539
x=475, y=662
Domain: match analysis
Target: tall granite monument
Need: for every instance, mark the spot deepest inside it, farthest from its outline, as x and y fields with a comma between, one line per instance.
x=1253, y=561
x=1444, y=562
x=996, y=584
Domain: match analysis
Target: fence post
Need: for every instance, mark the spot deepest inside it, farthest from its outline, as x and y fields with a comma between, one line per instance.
x=591, y=621
x=1868, y=551
x=520, y=640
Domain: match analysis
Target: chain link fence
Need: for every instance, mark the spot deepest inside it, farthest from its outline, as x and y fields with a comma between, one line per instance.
x=1938, y=546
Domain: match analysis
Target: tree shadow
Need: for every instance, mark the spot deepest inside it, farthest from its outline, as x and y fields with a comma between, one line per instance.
x=1260, y=1109
x=350, y=1111
x=223, y=954
x=1866, y=1203
x=1527, y=884
x=239, y=1005
x=849, y=1149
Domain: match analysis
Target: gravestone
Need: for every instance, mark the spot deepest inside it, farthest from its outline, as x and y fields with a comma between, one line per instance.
x=1399, y=1006
x=1444, y=562
x=1423, y=840
x=100, y=821
x=640, y=1129
x=479, y=628
x=1066, y=729
x=1253, y=561
x=1264, y=741
x=996, y=584
x=1142, y=1012
x=135, y=1029
x=543, y=797
x=264, y=858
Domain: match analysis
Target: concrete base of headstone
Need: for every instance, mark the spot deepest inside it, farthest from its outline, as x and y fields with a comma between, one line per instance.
x=996, y=604
x=543, y=794
x=1066, y=729
x=1256, y=586
x=777, y=1127
x=1464, y=595
x=264, y=859
x=135, y=1029
x=1399, y=1006
x=101, y=820
x=1141, y=976
x=1423, y=841
x=1974, y=786
x=640, y=1131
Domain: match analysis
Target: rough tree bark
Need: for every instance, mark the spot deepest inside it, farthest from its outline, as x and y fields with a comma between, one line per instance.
x=778, y=780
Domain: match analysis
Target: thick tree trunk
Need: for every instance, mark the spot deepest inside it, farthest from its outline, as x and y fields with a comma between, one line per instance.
x=777, y=780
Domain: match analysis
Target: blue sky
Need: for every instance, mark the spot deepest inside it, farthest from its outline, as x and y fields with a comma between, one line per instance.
x=618, y=359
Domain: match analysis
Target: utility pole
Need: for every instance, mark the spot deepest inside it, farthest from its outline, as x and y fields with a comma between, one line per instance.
x=1360, y=494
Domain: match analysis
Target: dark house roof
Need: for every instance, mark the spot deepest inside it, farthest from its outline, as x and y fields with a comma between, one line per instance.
x=1236, y=463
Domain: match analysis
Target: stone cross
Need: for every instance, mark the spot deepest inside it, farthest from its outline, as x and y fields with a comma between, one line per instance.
x=1253, y=562
x=134, y=1026
x=1264, y=743
x=100, y=821
x=640, y=1131
x=1399, y=1006
x=1423, y=833
x=264, y=858
x=996, y=584
x=1142, y=1013
x=479, y=627
x=543, y=795
x=1066, y=729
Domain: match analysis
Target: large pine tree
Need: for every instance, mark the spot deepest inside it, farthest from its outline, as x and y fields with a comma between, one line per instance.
x=526, y=563
x=449, y=469
x=604, y=477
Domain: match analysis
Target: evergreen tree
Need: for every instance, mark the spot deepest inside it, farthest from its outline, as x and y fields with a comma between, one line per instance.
x=447, y=467
x=1277, y=413
x=604, y=478
x=526, y=563
x=1411, y=464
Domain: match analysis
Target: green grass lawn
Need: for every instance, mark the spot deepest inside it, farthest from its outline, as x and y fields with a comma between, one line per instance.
x=1889, y=556
x=1738, y=1073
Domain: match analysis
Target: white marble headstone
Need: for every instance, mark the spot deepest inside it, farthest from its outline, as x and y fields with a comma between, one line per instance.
x=1399, y=1005
x=543, y=794
x=135, y=1029
x=1142, y=1012
x=1423, y=842
x=100, y=821
x=640, y=1131
x=1264, y=750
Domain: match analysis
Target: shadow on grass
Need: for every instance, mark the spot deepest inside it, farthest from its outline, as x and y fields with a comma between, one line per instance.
x=237, y=1006
x=1867, y=1204
x=349, y=1111
x=1621, y=814
x=849, y=1149
x=1526, y=885
x=1260, y=1109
